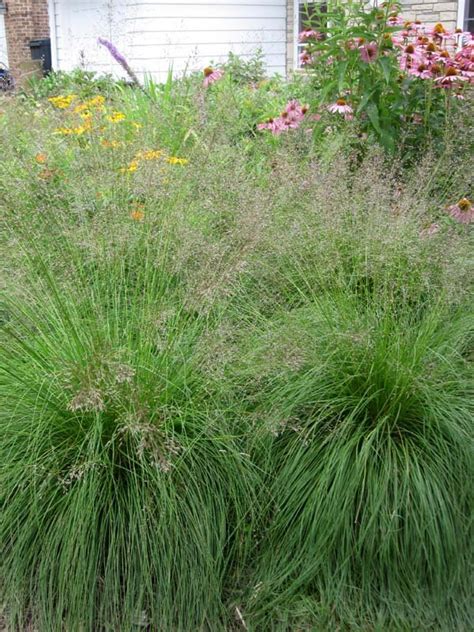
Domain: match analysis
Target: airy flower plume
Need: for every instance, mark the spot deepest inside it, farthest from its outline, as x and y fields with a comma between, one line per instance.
x=119, y=58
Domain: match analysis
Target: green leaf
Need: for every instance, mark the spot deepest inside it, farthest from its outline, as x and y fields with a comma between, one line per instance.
x=373, y=114
x=385, y=63
x=341, y=75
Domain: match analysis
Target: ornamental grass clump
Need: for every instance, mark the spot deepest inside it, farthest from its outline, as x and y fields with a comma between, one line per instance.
x=359, y=372
x=125, y=493
x=236, y=369
x=371, y=459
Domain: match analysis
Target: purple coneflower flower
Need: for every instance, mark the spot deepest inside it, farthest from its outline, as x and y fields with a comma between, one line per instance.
x=463, y=211
x=368, y=52
x=340, y=107
x=119, y=58
x=305, y=58
x=309, y=34
x=211, y=76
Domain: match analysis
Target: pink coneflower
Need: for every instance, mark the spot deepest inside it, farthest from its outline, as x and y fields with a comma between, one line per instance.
x=211, y=76
x=430, y=230
x=421, y=70
x=368, y=52
x=309, y=34
x=275, y=126
x=290, y=118
x=439, y=31
x=463, y=211
x=294, y=110
x=395, y=20
x=305, y=58
x=452, y=75
x=408, y=57
x=340, y=107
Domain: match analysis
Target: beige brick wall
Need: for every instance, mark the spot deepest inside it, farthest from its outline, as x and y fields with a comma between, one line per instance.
x=430, y=12
x=24, y=20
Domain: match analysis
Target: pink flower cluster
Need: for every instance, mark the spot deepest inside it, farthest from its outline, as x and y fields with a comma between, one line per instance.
x=446, y=57
x=290, y=118
x=307, y=36
x=434, y=52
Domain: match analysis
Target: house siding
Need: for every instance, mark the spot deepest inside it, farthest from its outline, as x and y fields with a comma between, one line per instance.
x=156, y=35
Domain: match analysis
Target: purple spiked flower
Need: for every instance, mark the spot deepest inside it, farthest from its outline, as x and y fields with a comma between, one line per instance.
x=119, y=58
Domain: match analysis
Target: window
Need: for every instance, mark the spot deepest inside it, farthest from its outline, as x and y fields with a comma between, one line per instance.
x=307, y=15
x=466, y=15
x=469, y=16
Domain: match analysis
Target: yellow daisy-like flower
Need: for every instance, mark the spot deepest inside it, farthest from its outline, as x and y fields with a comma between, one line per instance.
x=173, y=160
x=149, y=154
x=64, y=131
x=130, y=168
x=138, y=212
x=62, y=102
x=95, y=102
x=116, y=117
x=112, y=144
x=41, y=158
x=71, y=131
x=80, y=108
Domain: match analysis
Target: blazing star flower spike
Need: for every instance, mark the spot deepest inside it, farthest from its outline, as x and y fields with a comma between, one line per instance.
x=119, y=58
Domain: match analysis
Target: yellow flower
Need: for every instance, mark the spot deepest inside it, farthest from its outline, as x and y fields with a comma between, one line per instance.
x=173, y=160
x=62, y=102
x=78, y=131
x=80, y=108
x=41, y=158
x=131, y=168
x=137, y=213
x=116, y=117
x=109, y=143
x=95, y=102
x=81, y=129
x=149, y=154
x=64, y=131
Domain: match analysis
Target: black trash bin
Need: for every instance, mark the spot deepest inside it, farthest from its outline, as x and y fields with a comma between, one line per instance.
x=41, y=49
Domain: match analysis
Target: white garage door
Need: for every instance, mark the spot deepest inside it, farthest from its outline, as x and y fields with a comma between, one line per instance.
x=3, y=42
x=156, y=35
